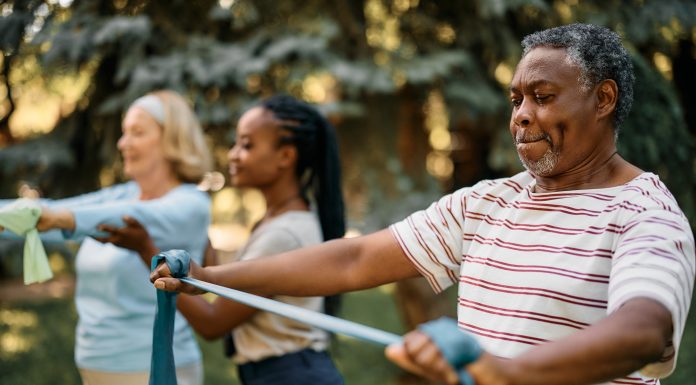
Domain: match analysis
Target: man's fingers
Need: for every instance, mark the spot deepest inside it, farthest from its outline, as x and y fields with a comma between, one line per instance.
x=398, y=355
x=419, y=351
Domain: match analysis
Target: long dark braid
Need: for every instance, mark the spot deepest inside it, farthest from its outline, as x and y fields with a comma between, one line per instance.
x=318, y=166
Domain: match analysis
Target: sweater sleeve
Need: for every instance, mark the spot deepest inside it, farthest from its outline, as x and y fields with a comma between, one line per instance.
x=121, y=191
x=108, y=194
x=178, y=220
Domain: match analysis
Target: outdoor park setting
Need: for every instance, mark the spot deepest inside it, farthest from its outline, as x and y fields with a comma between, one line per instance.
x=419, y=93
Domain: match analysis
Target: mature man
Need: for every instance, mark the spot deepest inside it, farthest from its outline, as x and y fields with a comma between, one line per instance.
x=577, y=271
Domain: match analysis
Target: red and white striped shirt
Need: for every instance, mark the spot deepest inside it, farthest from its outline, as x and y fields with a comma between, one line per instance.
x=535, y=267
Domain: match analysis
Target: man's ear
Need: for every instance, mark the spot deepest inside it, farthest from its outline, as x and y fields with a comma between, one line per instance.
x=607, y=96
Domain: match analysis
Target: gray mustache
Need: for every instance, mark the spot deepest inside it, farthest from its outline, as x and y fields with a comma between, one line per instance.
x=526, y=138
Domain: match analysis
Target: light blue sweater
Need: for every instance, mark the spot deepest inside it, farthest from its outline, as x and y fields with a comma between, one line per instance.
x=115, y=300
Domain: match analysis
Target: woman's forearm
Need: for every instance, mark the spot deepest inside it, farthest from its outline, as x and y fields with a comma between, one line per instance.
x=212, y=320
x=56, y=219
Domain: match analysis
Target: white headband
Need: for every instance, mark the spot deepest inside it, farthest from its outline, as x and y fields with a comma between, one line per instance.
x=152, y=105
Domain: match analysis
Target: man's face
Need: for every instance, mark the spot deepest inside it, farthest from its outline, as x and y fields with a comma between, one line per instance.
x=553, y=121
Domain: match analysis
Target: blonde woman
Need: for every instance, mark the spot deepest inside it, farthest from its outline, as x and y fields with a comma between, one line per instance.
x=164, y=153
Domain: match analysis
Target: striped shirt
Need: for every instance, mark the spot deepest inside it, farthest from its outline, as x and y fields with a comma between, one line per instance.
x=535, y=267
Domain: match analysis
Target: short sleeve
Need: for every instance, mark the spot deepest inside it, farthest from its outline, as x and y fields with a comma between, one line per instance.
x=654, y=258
x=270, y=242
x=432, y=239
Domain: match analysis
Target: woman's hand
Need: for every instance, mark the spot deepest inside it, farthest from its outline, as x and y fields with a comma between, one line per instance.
x=133, y=236
x=55, y=219
x=162, y=278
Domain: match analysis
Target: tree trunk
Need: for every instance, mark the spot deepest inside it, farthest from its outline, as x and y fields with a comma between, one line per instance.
x=685, y=80
x=91, y=136
x=6, y=137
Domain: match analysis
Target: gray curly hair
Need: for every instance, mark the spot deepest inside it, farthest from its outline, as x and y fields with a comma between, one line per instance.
x=599, y=54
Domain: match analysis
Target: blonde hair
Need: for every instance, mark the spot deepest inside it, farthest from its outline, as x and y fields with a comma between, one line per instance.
x=183, y=142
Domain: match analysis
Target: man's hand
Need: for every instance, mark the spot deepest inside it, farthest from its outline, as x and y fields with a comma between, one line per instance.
x=419, y=355
x=162, y=278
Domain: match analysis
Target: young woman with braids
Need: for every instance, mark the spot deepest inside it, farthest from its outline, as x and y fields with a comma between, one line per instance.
x=288, y=151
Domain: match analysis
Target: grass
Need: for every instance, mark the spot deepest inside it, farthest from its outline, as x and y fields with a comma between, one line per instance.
x=36, y=345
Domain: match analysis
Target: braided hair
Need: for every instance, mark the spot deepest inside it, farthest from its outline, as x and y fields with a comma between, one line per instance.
x=318, y=165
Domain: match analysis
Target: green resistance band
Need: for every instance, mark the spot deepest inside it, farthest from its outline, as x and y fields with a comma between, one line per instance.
x=20, y=217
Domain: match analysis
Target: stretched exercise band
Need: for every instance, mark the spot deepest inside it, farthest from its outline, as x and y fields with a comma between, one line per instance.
x=316, y=319
x=458, y=348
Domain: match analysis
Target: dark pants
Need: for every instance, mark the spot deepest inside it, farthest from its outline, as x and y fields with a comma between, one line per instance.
x=306, y=367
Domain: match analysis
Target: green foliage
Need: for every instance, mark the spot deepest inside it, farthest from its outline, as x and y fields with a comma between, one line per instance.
x=655, y=137
x=380, y=53
x=224, y=58
x=38, y=162
x=13, y=25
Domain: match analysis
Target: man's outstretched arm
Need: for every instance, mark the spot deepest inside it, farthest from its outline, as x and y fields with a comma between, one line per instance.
x=632, y=337
x=331, y=267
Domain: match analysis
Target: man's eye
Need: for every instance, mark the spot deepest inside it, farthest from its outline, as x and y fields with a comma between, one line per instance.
x=542, y=98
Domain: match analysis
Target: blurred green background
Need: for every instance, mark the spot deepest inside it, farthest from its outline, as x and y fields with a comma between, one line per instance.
x=40, y=338
x=417, y=90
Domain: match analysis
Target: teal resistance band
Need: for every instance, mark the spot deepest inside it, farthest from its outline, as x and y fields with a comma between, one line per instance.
x=309, y=317
x=458, y=348
x=162, y=368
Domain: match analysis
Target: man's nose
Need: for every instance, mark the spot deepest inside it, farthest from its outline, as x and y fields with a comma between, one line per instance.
x=522, y=116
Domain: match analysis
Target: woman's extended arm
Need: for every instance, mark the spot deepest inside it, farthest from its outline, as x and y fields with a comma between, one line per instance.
x=57, y=214
x=50, y=219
